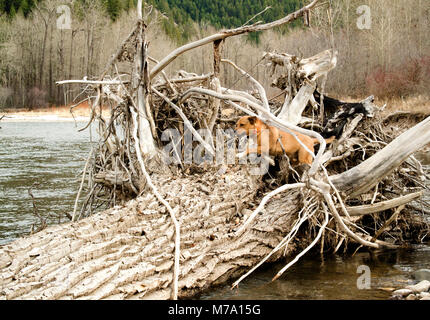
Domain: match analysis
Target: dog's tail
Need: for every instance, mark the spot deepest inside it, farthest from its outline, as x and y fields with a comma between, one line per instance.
x=328, y=141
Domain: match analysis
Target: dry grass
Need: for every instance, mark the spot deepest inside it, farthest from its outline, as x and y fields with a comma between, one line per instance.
x=419, y=103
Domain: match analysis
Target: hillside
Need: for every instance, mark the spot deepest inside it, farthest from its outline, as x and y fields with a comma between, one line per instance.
x=182, y=13
x=219, y=13
x=225, y=13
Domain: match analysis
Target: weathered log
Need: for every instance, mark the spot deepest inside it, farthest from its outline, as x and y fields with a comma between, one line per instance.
x=117, y=179
x=127, y=252
x=138, y=251
x=141, y=81
x=303, y=72
x=292, y=113
x=92, y=82
x=367, y=174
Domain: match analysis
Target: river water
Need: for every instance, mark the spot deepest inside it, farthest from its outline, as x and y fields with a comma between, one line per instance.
x=53, y=154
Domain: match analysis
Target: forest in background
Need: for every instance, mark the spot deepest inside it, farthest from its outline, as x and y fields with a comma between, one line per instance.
x=389, y=60
x=181, y=13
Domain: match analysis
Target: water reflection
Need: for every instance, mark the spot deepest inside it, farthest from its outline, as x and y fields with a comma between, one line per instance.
x=333, y=277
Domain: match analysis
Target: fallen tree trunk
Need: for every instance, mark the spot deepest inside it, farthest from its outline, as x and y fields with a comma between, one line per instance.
x=127, y=253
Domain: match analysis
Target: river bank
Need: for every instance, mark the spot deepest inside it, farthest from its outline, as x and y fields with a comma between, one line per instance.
x=419, y=103
x=79, y=113
x=42, y=118
x=53, y=114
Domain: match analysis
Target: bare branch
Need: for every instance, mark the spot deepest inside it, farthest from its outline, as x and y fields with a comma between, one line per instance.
x=368, y=173
x=228, y=33
x=383, y=205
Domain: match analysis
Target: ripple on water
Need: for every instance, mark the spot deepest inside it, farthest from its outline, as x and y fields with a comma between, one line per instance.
x=50, y=154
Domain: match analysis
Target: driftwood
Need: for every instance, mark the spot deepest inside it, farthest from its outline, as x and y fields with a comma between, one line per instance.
x=299, y=80
x=228, y=33
x=367, y=174
x=193, y=225
x=383, y=205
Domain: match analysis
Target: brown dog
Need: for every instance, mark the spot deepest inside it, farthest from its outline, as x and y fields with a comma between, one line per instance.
x=247, y=125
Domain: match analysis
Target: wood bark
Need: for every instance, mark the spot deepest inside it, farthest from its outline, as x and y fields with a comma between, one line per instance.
x=127, y=252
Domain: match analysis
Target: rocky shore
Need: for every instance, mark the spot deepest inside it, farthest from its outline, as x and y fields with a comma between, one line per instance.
x=418, y=291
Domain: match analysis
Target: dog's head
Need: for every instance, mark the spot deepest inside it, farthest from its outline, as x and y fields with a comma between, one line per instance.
x=246, y=125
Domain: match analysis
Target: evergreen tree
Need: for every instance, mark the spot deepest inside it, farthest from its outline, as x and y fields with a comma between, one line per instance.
x=128, y=5
x=24, y=8
x=182, y=13
x=113, y=8
x=2, y=6
x=12, y=12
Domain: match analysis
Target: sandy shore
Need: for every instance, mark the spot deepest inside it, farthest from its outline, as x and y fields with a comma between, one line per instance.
x=42, y=118
x=52, y=114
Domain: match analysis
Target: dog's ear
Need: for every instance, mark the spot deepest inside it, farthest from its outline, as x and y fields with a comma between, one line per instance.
x=252, y=120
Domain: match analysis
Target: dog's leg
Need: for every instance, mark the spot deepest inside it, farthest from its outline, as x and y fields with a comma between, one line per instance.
x=304, y=156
